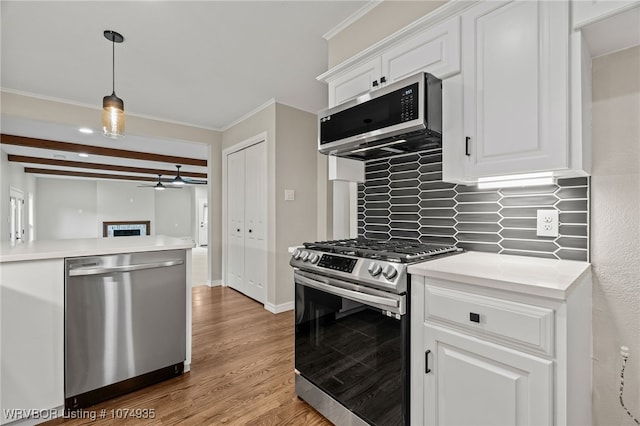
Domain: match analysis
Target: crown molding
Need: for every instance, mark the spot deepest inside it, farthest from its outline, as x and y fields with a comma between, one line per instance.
x=351, y=19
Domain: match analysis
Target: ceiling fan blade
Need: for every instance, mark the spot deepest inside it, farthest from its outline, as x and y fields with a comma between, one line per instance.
x=194, y=181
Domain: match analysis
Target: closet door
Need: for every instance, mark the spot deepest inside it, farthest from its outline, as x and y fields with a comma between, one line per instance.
x=246, y=221
x=235, y=220
x=255, y=253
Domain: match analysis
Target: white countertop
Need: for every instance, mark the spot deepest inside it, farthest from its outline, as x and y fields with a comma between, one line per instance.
x=54, y=249
x=531, y=275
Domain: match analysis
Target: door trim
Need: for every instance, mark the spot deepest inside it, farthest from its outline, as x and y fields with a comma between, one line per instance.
x=254, y=140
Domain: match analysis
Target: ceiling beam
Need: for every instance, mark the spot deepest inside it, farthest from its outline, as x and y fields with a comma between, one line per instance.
x=98, y=150
x=97, y=166
x=92, y=175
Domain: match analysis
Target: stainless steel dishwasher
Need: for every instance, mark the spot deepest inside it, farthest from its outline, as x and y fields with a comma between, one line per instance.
x=125, y=323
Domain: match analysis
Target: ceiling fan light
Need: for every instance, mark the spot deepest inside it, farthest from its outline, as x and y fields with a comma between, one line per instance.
x=159, y=187
x=177, y=181
x=113, y=116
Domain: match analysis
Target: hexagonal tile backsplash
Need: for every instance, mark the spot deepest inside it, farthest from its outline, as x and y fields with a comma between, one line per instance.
x=405, y=197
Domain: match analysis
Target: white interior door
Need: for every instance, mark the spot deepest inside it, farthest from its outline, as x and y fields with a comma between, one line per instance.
x=235, y=220
x=203, y=219
x=246, y=258
x=255, y=218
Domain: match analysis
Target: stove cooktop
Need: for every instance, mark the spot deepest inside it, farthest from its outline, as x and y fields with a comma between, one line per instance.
x=402, y=251
x=374, y=263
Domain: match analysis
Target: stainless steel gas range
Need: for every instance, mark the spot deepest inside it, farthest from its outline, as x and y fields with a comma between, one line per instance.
x=352, y=327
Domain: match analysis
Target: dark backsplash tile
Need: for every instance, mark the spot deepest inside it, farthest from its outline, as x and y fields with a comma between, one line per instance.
x=405, y=197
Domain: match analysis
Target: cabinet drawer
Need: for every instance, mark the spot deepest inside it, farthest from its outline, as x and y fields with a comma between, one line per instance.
x=525, y=325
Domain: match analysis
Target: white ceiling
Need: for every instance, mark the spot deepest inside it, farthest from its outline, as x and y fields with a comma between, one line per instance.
x=200, y=63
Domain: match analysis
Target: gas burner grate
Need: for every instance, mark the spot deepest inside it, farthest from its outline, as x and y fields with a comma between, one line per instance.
x=403, y=251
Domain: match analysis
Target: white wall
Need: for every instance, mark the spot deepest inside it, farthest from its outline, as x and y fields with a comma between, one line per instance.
x=65, y=208
x=174, y=212
x=615, y=233
x=76, y=208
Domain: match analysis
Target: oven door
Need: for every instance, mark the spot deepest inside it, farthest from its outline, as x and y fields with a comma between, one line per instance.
x=352, y=343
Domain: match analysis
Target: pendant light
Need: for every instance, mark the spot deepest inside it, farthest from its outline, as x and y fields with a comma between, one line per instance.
x=113, y=106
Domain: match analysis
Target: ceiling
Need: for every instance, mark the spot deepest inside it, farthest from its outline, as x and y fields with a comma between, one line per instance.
x=201, y=63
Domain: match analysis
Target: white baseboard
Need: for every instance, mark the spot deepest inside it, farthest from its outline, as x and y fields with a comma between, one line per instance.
x=283, y=307
x=214, y=283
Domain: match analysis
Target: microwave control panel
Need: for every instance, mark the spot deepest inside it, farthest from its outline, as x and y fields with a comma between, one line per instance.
x=408, y=103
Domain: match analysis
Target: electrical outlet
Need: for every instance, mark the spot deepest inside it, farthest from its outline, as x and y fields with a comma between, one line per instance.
x=547, y=224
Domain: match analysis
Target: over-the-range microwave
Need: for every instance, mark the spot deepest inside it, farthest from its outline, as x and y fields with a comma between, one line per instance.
x=405, y=116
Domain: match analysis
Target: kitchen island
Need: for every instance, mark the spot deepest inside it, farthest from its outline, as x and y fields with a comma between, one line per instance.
x=32, y=317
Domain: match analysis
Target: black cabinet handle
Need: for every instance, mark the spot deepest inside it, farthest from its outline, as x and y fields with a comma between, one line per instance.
x=375, y=83
x=250, y=231
x=466, y=146
x=238, y=230
x=473, y=317
x=427, y=370
x=383, y=79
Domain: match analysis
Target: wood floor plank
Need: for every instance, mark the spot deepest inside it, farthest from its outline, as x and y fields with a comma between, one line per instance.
x=241, y=372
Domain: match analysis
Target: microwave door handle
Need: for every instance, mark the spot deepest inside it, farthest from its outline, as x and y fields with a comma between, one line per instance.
x=349, y=294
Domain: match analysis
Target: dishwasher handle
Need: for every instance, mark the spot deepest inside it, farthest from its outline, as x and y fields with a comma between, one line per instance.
x=83, y=271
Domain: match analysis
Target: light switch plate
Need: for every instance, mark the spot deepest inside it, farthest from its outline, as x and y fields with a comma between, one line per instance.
x=547, y=223
x=289, y=194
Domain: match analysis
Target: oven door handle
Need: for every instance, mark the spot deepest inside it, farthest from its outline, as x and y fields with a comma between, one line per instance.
x=356, y=296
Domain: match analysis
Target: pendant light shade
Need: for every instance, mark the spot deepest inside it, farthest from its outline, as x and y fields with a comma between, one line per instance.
x=113, y=106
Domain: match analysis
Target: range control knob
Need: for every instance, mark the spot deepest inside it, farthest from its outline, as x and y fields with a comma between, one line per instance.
x=314, y=258
x=374, y=269
x=296, y=254
x=389, y=272
x=305, y=256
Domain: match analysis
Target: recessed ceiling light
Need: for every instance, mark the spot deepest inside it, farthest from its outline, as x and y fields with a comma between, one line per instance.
x=85, y=130
x=83, y=155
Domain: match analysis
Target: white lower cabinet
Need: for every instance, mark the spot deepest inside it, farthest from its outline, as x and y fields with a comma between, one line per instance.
x=473, y=382
x=487, y=356
x=32, y=339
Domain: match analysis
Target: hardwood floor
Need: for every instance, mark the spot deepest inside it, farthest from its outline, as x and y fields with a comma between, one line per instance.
x=241, y=372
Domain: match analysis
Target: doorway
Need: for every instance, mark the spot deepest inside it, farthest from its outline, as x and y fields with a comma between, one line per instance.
x=16, y=216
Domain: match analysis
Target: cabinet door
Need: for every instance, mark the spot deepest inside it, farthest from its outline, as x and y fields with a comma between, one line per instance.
x=436, y=51
x=473, y=382
x=235, y=220
x=588, y=11
x=354, y=83
x=515, y=77
x=31, y=337
x=255, y=251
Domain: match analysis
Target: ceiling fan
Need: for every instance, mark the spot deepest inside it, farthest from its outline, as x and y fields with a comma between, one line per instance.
x=159, y=186
x=179, y=180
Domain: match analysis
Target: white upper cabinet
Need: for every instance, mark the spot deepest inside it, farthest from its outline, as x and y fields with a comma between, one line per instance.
x=515, y=95
x=510, y=110
x=588, y=11
x=435, y=50
x=354, y=83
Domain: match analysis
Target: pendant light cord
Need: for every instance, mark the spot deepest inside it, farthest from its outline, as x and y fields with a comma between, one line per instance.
x=113, y=65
